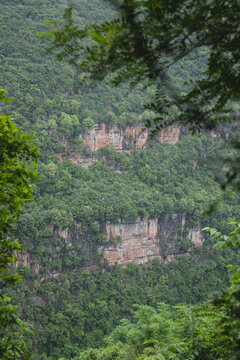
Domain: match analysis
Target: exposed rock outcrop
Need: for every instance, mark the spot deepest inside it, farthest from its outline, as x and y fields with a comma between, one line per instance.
x=120, y=139
x=145, y=239
x=126, y=139
x=138, y=242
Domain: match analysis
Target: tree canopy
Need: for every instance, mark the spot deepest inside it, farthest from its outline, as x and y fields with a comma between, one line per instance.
x=150, y=42
x=161, y=181
x=146, y=39
x=17, y=163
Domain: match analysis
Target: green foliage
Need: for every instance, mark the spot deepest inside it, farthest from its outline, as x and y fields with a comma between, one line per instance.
x=12, y=330
x=229, y=301
x=169, y=333
x=17, y=154
x=144, y=41
x=62, y=230
x=16, y=173
x=69, y=125
x=92, y=303
x=68, y=195
x=208, y=331
x=149, y=42
x=87, y=123
x=16, y=149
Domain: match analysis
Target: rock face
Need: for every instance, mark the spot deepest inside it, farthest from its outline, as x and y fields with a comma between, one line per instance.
x=120, y=139
x=139, y=241
x=135, y=242
x=126, y=139
x=170, y=135
x=145, y=239
x=195, y=235
x=25, y=260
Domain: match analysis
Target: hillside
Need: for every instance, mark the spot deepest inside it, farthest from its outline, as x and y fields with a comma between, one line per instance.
x=106, y=196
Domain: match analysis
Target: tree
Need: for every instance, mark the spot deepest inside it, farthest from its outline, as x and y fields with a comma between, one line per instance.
x=229, y=301
x=149, y=37
x=149, y=41
x=17, y=169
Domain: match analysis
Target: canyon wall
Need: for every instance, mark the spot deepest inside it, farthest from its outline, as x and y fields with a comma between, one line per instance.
x=132, y=242
x=137, y=242
x=144, y=239
x=126, y=139
x=120, y=139
x=141, y=240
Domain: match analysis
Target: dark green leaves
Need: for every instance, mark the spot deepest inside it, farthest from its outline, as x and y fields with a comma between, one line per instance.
x=17, y=170
x=150, y=36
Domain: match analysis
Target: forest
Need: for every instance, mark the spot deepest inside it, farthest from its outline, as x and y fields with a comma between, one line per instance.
x=62, y=299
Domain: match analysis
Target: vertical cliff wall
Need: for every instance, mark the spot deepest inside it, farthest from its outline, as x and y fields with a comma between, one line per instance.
x=138, y=242
x=127, y=139
x=145, y=239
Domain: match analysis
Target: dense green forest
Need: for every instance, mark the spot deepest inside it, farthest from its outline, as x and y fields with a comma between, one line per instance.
x=91, y=304
x=70, y=295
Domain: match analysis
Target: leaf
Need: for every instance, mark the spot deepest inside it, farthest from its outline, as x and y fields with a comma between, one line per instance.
x=206, y=229
x=236, y=230
x=96, y=35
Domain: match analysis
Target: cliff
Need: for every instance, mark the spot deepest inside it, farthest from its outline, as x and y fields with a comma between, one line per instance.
x=126, y=139
x=137, y=242
x=145, y=239
x=120, y=139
